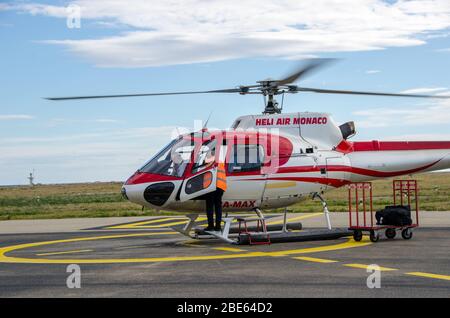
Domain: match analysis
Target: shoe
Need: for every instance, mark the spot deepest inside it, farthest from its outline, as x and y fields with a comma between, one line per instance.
x=218, y=228
x=209, y=228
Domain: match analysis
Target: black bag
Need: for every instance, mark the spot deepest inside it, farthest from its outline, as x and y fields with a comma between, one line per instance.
x=395, y=215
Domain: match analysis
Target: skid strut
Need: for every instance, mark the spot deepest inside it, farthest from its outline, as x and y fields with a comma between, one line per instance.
x=223, y=235
x=325, y=209
x=185, y=230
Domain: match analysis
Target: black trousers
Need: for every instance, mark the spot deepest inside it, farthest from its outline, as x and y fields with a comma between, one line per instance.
x=214, y=203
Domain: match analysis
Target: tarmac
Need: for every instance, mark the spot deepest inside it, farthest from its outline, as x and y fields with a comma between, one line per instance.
x=145, y=257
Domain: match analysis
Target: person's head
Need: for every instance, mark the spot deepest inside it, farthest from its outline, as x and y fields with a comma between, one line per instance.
x=176, y=158
x=210, y=156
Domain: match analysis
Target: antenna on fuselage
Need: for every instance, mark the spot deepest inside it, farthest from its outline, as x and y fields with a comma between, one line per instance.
x=207, y=120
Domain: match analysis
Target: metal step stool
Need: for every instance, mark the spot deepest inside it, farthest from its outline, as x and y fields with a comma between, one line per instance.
x=260, y=227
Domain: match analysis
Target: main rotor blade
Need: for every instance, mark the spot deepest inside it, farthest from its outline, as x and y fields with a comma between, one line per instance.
x=232, y=90
x=312, y=66
x=335, y=91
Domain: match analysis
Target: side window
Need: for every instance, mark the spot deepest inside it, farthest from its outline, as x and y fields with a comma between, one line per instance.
x=245, y=158
x=206, y=156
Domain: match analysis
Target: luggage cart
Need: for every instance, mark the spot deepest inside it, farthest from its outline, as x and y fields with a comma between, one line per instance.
x=361, y=216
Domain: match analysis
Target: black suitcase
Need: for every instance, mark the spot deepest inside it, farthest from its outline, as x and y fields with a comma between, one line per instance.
x=394, y=215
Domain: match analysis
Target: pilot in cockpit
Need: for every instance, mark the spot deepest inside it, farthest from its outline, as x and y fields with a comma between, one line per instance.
x=178, y=164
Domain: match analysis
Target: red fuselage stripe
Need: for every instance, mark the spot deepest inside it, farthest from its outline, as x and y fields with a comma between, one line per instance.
x=375, y=145
x=356, y=170
x=327, y=181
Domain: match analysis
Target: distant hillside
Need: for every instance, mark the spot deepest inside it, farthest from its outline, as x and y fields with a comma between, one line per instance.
x=102, y=199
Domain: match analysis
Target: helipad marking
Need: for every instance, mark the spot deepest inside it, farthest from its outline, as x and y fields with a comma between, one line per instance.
x=302, y=217
x=363, y=266
x=229, y=249
x=9, y=259
x=315, y=260
x=192, y=243
x=144, y=224
x=168, y=224
x=66, y=252
x=135, y=224
x=349, y=244
x=429, y=275
x=180, y=220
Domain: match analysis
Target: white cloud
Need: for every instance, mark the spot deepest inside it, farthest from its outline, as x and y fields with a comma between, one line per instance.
x=373, y=71
x=193, y=31
x=15, y=117
x=420, y=137
x=107, y=155
x=106, y=120
x=432, y=114
x=62, y=121
x=425, y=90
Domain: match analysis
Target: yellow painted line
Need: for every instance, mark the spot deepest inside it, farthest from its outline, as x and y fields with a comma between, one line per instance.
x=280, y=185
x=66, y=252
x=316, y=260
x=429, y=275
x=192, y=243
x=168, y=224
x=229, y=249
x=363, y=266
x=10, y=259
x=145, y=224
x=349, y=244
x=138, y=224
x=302, y=217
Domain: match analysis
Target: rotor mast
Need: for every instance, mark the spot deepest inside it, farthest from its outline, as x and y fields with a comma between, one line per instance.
x=269, y=89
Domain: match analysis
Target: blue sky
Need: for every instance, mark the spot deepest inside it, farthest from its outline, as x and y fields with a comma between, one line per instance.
x=152, y=46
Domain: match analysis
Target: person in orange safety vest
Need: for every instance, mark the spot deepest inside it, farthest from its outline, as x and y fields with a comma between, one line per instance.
x=214, y=199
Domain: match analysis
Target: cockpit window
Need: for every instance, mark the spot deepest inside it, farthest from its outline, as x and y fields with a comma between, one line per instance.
x=172, y=160
x=206, y=156
x=245, y=158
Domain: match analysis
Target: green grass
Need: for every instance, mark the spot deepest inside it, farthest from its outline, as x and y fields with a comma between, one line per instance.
x=103, y=199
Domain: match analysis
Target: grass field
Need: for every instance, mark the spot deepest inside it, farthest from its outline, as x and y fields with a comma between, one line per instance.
x=103, y=199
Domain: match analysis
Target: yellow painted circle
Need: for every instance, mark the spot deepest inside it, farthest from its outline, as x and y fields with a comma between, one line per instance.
x=9, y=259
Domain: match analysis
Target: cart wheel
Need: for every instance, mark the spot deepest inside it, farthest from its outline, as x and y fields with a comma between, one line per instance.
x=357, y=235
x=407, y=234
x=390, y=233
x=374, y=236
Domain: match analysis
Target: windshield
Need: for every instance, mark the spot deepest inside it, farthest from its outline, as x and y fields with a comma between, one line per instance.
x=172, y=160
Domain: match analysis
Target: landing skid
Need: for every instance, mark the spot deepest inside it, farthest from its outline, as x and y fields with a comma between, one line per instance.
x=270, y=233
x=223, y=235
x=226, y=234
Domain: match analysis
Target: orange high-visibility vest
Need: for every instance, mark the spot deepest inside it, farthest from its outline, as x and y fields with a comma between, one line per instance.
x=221, y=181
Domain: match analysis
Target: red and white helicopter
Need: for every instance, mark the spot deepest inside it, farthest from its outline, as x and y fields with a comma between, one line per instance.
x=272, y=159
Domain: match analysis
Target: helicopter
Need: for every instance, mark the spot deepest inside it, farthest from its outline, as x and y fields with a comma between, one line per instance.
x=273, y=160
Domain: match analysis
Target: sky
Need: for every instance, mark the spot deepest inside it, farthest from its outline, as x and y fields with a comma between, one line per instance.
x=141, y=46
